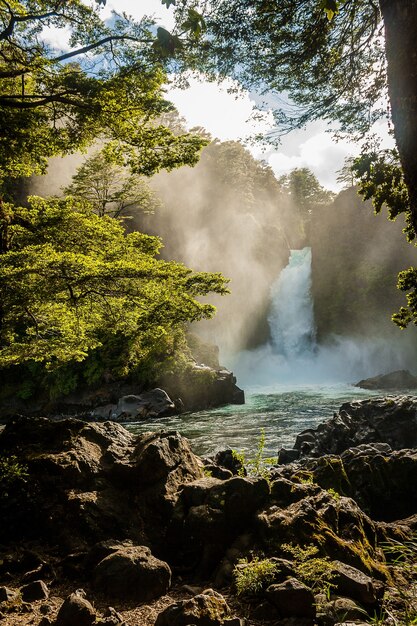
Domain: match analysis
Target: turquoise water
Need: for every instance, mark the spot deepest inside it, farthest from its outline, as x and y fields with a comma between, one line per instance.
x=281, y=411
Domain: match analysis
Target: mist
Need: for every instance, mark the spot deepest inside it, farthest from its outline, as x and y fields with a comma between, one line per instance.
x=229, y=214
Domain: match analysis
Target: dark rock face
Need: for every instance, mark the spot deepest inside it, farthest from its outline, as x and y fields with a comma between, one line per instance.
x=89, y=482
x=209, y=515
x=383, y=482
x=132, y=573
x=391, y=420
x=205, y=609
x=398, y=380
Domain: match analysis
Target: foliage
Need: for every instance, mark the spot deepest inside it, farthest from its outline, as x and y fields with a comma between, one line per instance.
x=305, y=190
x=110, y=188
x=73, y=282
x=251, y=577
x=109, y=84
x=327, y=58
x=12, y=473
x=381, y=178
x=314, y=571
x=258, y=465
x=400, y=602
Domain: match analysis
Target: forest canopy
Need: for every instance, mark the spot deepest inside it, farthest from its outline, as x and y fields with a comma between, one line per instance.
x=77, y=290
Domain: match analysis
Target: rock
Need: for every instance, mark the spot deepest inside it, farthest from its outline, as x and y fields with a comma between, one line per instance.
x=287, y=455
x=391, y=420
x=132, y=573
x=265, y=611
x=206, y=609
x=230, y=461
x=209, y=515
x=383, y=482
x=204, y=387
x=337, y=526
x=111, y=618
x=148, y=405
x=89, y=482
x=346, y=610
x=351, y=582
x=36, y=590
x=76, y=609
x=398, y=380
x=292, y=599
x=7, y=594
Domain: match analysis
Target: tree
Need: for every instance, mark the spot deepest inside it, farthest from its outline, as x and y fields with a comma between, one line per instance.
x=70, y=281
x=109, y=84
x=346, y=174
x=110, y=188
x=305, y=190
x=337, y=60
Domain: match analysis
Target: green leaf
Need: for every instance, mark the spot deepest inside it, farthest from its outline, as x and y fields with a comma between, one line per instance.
x=331, y=7
x=194, y=23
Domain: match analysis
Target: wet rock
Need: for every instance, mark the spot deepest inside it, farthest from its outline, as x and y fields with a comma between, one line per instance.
x=36, y=590
x=76, y=609
x=292, y=599
x=398, y=380
x=132, y=573
x=206, y=609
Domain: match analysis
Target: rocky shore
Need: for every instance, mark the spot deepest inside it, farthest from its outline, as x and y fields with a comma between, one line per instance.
x=99, y=526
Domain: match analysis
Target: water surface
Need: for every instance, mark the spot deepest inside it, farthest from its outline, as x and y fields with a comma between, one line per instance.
x=281, y=411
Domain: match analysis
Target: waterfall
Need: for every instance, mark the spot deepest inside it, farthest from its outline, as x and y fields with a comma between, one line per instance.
x=293, y=357
x=291, y=319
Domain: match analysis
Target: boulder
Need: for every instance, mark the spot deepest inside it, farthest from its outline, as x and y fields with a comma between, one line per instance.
x=351, y=582
x=209, y=515
x=76, y=609
x=132, y=573
x=148, y=405
x=205, y=609
x=36, y=590
x=398, y=380
x=336, y=526
x=292, y=599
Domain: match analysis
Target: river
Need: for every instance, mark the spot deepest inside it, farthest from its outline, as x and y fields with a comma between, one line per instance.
x=281, y=411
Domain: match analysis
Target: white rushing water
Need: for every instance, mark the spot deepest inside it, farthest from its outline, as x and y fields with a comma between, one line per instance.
x=291, y=318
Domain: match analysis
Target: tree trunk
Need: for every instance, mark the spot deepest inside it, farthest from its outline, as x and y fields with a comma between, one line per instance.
x=400, y=22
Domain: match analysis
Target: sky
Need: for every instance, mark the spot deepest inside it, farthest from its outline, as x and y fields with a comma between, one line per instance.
x=227, y=117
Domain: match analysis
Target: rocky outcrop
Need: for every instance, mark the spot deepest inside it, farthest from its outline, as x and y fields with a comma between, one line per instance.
x=148, y=405
x=391, y=420
x=89, y=482
x=398, y=380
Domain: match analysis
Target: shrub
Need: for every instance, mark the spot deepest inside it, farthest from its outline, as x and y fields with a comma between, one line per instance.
x=252, y=577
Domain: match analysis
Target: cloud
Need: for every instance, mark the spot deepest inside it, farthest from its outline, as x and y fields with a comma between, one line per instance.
x=225, y=115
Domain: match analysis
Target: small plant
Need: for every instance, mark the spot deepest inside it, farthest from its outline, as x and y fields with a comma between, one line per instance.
x=12, y=473
x=314, y=571
x=252, y=577
x=334, y=494
x=258, y=466
x=403, y=557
